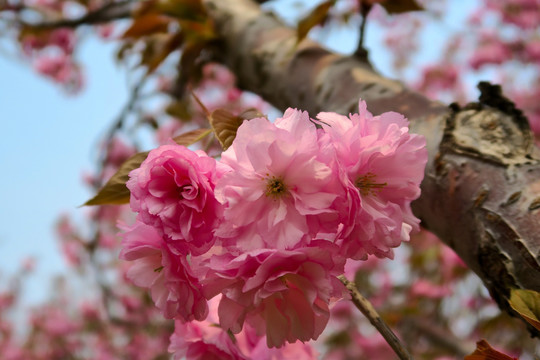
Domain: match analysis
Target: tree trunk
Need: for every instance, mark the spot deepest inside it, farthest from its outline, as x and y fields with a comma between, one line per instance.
x=481, y=191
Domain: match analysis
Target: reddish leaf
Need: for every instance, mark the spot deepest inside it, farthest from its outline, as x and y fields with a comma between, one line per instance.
x=124, y=50
x=183, y=9
x=226, y=124
x=145, y=7
x=40, y=37
x=179, y=109
x=485, y=352
x=399, y=6
x=317, y=17
x=146, y=25
x=527, y=304
x=169, y=44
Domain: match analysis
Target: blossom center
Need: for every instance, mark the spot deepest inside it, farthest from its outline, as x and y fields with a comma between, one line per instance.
x=275, y=187
x=184, y=191
x=367, y=185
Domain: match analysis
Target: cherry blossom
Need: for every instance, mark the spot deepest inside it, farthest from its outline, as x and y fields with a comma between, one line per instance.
x=279, y=186
x=283, y=294
x=174, y=286
x=382, y=165
x=173, y=190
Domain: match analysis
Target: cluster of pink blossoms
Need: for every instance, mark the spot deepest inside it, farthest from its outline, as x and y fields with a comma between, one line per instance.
x=268, y=228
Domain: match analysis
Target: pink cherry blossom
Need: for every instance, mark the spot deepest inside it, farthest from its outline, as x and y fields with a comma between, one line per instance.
x=532, y=50
x=437, y=78
x=381, y=165
x=61, y=69
x=208, y=340
x=118, y=151
x=425, y=288
x=280, y=188
x=523, y=13
x=297, y=351
x=204, y=340
x=64, y=39
x=491, y=50
x=173, y=284
x=173, y=191
x=283, y=294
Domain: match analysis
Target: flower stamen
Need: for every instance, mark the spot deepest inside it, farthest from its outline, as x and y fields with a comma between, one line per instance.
x=275, y=187
x=367, y=185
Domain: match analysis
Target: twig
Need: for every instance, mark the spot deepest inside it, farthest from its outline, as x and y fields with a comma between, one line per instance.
x=361, y=51
x=106, y=13
x=439, y=337
x=375, y=319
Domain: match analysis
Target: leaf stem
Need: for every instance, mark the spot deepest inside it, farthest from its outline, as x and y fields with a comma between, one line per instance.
x=375, y=319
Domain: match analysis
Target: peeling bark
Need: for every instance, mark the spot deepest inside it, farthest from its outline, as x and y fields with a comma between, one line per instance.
x=481, y=191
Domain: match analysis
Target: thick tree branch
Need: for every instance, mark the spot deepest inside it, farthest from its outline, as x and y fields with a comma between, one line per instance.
x=481, y=192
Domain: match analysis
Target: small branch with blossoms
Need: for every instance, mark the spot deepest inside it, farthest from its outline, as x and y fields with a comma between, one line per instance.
x=263, y=234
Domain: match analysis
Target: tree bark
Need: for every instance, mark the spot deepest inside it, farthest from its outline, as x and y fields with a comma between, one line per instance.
x=481, y=191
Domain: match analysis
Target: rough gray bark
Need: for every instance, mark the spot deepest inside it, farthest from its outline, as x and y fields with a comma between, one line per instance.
x=481, y=192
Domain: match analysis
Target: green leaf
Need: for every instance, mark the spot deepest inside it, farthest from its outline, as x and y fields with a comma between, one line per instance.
x=527, y=304
x=115, y=191
x=317, y=17
x=400, y=6
x=226, y=124
x=484, y=351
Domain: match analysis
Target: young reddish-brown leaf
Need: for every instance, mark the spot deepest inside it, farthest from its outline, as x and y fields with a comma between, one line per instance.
x=115, y=191
x=147, y=24
x=145, y=7
x=197, y=32
x=183, y=9
x=316, y=17
x=400, y=6
x=179, y=109
x=124, y=50
x=170, y=43
x=157, y=47
x=484, y=351
x=226, y=124
x=191, y=137
x=36, y=34
x=527, y=304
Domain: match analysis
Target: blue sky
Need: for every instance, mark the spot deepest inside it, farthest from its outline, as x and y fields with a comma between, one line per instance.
x=48, y=140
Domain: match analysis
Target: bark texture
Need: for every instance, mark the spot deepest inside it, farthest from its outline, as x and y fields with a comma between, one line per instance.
x=481, y=191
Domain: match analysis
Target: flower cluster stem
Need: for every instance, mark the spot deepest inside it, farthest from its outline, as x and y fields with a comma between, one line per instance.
x=375, y=319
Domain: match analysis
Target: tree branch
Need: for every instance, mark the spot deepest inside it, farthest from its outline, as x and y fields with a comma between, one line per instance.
x=438, y=337
x=480, y=194
x=108, y=12
x=375, y=319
